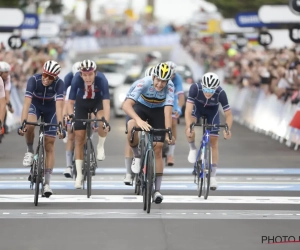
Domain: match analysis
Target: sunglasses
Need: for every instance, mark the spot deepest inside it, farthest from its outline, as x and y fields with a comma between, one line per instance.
x=86, y=69
x=208, y=91
x=50, y=77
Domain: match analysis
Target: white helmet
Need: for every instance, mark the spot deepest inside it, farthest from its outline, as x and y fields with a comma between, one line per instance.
x=163, y=71
x=210, y=80
x=4, y=67
x=149, y=71
x=172, y=65
x=75, y=67
x=88, y=65
x=52, y=68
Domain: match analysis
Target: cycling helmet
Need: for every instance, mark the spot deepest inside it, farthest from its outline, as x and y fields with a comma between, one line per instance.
x=163, y=71
x=172, y=65
x=75, y=67
x=87, y=65
x=149, y=71
x=210, y=80
x=51, y=68
x=4, y=67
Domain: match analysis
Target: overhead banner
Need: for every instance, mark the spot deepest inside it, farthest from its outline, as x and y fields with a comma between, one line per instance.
x=228, y=25
x=250, y=19
x=277, y=14
x=11, y=17
x=31, y=21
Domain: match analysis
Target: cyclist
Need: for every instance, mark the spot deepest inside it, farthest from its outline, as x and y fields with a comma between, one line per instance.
x=204, y=99
x=177, y=109
x=91, y=92
x=2, y=106
x=70, y=136
x=128, y=152
x=4, y=74
x=44, y=95
x=150, y=105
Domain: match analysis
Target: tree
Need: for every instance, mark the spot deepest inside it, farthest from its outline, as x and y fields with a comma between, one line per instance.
x=12, y=4
x=229, y=8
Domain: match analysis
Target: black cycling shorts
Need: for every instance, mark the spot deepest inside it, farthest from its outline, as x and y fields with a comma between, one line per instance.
x=83, y=107
x=154, y=116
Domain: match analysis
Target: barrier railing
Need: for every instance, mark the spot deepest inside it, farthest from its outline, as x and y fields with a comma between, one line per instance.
x=265, y=113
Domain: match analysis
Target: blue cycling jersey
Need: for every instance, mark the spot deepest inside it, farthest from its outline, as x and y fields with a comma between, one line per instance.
x=143, y=91
x=177, y=81
x=68, y=80
x=98, y=90
x=36, y=90
x=196, y=96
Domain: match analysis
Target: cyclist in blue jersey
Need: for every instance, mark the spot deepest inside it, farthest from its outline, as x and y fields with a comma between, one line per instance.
x=90, y=90
x=70, y=138
x=149, y=105
x=204, y=99
x=177, y=109
x=128, y=152
x=44, y=95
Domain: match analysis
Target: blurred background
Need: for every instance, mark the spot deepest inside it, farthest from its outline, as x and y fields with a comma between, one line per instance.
x=251, y=45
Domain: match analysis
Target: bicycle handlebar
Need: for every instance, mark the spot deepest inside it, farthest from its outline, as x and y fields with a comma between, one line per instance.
x=209, y=126
x=59, y=125
x=105, y=123
x=152, y=131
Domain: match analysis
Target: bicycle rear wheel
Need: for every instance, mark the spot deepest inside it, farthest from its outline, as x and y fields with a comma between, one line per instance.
x=88, y=170
x=149, y=178
x=207, y=165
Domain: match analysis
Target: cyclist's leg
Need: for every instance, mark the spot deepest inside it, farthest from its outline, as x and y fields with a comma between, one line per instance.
x=157, y=120
x=141, y=111
x=101, y=133
x=214, y=118
x=50, y=135
x=170, y=158
x=191, y=136
x=128, y=159
x=33, y=116
x=69, y=149
x=81, y=112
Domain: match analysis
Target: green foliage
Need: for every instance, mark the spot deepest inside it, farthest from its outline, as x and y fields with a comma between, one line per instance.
x=229, y=8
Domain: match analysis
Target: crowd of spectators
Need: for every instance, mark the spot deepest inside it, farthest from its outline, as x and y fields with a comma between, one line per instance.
x=276, y=71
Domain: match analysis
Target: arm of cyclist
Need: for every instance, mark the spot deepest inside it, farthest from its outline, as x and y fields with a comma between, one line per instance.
x=105, y=100
x=59, y=108
x=128, y=109
x=31, y=84
x=189, y=119
x=132, y=97
x=72, y=97
x=168, y=108
x=227, y=112
x=2, y=102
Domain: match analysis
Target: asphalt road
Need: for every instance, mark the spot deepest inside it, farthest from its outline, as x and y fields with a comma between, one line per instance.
x=258, y=195
x=257, y=200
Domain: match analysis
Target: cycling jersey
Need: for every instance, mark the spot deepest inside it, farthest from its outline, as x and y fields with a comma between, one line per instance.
x=2, y=90
x=197, y=97
x=43, y=100
x=177, y=81
x=36, y=90
x=145, y=93
x=98, y=90
x=208, y=107
x=68, y=80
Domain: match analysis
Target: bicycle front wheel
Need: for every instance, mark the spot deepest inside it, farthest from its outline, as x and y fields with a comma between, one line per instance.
x=149, y=178
x=38, y=179
x=88, y=170
x=207, y=170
